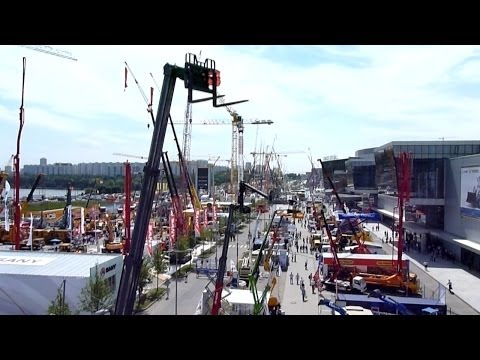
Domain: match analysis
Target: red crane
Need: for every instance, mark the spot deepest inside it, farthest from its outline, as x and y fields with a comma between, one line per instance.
x=403, y=166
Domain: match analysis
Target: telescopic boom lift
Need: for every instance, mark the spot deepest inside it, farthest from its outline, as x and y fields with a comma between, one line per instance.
x=199, y=76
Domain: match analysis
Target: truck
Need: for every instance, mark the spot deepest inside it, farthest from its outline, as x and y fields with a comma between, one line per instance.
x=357, y=285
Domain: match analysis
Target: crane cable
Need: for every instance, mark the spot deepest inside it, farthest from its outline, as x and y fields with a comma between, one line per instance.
x=149, y=104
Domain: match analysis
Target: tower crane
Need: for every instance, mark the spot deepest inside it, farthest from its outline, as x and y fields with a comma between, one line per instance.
x=237, y=148
x=237, y=123
x=51, y=51
x=131, y=156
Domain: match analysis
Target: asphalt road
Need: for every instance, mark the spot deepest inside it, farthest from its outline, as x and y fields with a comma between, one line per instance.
x=189, y=293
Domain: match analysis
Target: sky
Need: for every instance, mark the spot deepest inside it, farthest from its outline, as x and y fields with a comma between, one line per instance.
x=323, y=100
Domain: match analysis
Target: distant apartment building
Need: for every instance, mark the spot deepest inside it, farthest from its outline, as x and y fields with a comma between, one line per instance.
x=109, y=169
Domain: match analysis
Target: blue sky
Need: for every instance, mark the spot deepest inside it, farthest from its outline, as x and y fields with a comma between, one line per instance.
x=330, y=100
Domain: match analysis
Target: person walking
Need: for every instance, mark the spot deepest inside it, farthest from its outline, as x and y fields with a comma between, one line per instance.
x=450, y=287
x=291, y=278
x=304, y=293
x=306, y=264
x=297, y=277
x=167, y=284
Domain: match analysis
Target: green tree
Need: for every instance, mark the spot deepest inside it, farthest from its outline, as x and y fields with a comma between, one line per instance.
x=96, y=295
x=159, y=263
x=59, y=306
x=144, y=278
x=183, y=243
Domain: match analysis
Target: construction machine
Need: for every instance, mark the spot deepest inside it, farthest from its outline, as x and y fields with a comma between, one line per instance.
x=399, y=308
x=111, y=246
x=222, y=263
x=198, y=76
x=10, y=235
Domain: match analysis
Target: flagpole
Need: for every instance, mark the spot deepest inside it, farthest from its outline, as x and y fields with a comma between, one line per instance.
x=30, y=236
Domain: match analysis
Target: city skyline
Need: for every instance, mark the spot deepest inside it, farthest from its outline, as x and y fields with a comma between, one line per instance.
x=323, y=100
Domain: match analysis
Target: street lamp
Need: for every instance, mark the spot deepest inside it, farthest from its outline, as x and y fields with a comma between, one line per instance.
x=212, y=192
x=176, y=251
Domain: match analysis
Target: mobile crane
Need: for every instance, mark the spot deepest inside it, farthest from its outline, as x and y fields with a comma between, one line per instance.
x=222, y=262
x=199, y=76
x=399, y=308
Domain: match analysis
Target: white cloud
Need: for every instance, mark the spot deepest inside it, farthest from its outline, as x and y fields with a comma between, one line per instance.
x=357, y=97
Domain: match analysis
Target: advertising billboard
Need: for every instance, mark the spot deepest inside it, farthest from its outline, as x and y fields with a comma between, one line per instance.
x=470, y=191
x=202, y=179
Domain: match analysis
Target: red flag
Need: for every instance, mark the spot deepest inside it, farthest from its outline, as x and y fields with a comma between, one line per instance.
x=197, y=223
x=172, y=225
x=126, y=72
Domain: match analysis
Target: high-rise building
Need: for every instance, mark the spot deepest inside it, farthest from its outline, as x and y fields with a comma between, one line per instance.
x=43, y=162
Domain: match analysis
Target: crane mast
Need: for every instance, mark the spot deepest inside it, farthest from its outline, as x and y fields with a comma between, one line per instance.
x=199, y=76
x=187, y=133
x=51, y=51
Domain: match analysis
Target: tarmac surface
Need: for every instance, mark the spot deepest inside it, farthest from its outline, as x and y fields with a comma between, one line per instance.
x=466, y=284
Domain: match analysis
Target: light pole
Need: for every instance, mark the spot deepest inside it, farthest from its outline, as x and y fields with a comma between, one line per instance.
x=176, y=252
x=212, y=192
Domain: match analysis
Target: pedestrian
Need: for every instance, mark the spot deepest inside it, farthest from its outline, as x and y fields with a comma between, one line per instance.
x=425, y=264
x=291, y=278
x=297, y=277
x=304, y=293
x=450, y=287
x=312, y=284
x=186, y=276
x=167, y=284
x=306, y=264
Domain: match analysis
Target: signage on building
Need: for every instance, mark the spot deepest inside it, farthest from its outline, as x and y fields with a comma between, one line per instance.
x=470, y=191
x=202, y=179
x=20, y=260
x=367, y=216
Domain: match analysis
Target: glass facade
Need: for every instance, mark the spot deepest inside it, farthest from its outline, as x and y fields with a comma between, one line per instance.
x=427, y=166
x=385, y=175
x=360, y=174
x=335, y=169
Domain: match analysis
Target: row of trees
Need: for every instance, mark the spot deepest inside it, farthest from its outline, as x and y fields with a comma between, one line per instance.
x=97, y=294
x=102, y=185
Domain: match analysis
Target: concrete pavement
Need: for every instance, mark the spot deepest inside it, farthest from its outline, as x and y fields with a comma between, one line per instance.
x=466, y=284
x=291, y=296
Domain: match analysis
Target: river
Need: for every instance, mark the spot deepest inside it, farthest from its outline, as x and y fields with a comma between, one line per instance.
x=48, y=193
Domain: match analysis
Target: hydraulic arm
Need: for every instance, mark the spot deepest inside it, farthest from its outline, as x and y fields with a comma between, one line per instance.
x=222, y=263
x=196, y=76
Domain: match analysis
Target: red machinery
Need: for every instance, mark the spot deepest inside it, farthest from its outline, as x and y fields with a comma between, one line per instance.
x=403, y=163
x=198, y=76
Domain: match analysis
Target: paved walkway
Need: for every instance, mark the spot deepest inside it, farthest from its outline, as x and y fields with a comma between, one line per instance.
x=466, y=284
x=291, y=296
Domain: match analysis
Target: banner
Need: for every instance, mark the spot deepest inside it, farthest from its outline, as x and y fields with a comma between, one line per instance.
x=30, y=235
x=69, y=214
x=365, y=216
x=197, y=223
x=82, y=221
x=7, y=221
x=172, y=224
x=470, y=191
x=149, y=239
x=214, y=212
